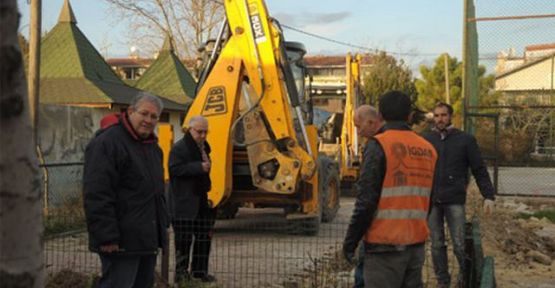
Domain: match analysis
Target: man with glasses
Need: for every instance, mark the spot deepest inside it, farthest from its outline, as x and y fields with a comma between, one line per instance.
x=368, y=122
x=123, y=186
x=193, y=216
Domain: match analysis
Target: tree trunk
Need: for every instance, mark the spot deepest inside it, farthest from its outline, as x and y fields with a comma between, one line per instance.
x=21, y=260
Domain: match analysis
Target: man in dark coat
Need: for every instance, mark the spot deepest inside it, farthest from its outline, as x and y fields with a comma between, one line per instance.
x=457, y=152
x=123, y=186
x=368, y=122
x=193, y=216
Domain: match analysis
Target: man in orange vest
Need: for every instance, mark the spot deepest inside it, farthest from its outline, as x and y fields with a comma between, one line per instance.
x=393, y=198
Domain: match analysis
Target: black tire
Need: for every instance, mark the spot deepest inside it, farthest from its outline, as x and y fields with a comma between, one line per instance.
x=330, y=188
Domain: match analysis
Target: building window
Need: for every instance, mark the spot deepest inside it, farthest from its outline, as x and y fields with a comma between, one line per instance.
x=128, y=74
x=164, y=117
x=181, y=119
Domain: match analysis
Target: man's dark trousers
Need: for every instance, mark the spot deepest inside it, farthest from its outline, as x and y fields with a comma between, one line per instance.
x=127, y=271
x=393, y=269
x=198, y=233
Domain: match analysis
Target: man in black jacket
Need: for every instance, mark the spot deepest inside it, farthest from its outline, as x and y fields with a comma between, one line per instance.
x=189, y=166
x=368, y=122
x=123, y=186
x=457, y=152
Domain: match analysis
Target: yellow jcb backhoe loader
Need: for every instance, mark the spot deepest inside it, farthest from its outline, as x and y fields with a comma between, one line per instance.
x=341, y=140
x=350, y=155
x=264, y=149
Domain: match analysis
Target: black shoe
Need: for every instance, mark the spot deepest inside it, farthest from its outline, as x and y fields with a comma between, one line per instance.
x=182, y=277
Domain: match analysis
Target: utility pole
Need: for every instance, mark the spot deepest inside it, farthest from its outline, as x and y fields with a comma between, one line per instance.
x=33, y=84
x=34, y=65
x=552, y=102
x=447, y=93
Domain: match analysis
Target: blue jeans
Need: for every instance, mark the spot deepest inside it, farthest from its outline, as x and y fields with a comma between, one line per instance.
x=359, y=270
x=455, y=216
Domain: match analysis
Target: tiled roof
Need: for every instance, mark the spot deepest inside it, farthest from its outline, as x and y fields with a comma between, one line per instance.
x=67, y=14
x=129, y=62
x=525, y=66
x=143, y=62
x=84, y=91
x=540, y=47
x=72, y=70
x=334, y=60
x=168, y=77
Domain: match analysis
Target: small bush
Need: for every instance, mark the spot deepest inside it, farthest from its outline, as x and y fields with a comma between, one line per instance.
x=549, y=214
x=68, y=278
x=67, y=217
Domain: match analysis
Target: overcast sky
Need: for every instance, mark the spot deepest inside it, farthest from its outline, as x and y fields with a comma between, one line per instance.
x=426, y=28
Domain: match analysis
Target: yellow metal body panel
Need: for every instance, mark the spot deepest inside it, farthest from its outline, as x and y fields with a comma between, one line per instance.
x=350, y=154
x=165, y=141
x=310, y=204
x=250, y=55
x=217, y=101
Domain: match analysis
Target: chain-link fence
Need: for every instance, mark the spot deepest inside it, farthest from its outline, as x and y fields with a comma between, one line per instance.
x=257, y=249
x=61, y=186
x=513, y=42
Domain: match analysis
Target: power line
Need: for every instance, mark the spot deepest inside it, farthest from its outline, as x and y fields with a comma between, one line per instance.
x=330, y=40
x=373, y=50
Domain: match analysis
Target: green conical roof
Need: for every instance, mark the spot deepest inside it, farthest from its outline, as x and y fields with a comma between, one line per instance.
x=168, y=77
x=168, y=44
x=73, y=72
x=66, y=15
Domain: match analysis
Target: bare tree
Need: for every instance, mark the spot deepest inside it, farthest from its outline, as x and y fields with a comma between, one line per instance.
x=521, y=129
x=20, y=209
x=189, y=22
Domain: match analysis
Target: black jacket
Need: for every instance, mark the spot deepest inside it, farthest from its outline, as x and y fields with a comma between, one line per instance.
x=123, y=186
x=369, y=190
x=457, y=152
x=189, y=183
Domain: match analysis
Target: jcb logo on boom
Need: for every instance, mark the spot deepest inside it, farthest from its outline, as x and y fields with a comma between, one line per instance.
x=256, y=24
x=215, y=102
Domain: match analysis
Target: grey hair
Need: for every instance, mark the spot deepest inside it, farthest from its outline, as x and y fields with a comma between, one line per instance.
x=367, y=112
x=197, y=119
x=145, y=97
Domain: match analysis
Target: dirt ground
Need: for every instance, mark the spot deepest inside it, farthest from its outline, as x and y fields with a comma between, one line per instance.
x=247, y=253
x=524, y=250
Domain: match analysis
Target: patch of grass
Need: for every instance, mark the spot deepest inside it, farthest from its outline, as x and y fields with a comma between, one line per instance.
x=329, y=270
x=68, y=216
x=56, y=225
x=68, y=278
x=549, y=214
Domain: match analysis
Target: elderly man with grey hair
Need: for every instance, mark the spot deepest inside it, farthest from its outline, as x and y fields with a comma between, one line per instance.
x=368, y=122
x=193, y=216
x=123, y=186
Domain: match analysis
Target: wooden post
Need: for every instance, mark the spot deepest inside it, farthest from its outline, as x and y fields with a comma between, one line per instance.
x=447, y=92
x=34, y=65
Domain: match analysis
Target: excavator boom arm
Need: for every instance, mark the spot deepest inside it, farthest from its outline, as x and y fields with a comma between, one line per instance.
x=245, y=91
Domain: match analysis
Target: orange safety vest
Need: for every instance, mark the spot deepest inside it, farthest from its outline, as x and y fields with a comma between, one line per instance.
x=400, y=218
